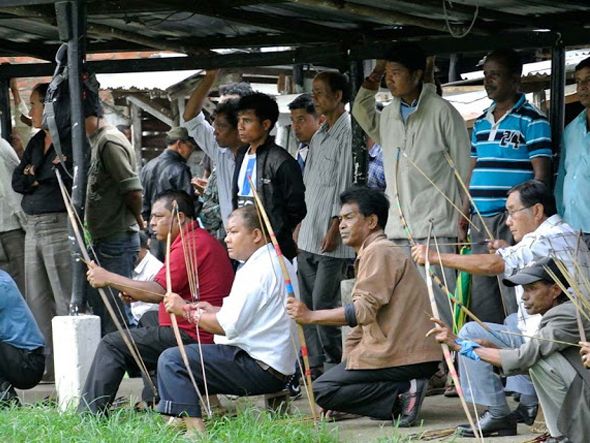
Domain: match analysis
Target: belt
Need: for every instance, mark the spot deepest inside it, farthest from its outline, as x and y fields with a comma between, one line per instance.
x=276, y=374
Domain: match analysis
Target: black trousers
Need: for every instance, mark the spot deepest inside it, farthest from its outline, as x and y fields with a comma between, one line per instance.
x=368, y=392
x=229, y=370
x=21, y=368
x=113, y=358
x=319, y=286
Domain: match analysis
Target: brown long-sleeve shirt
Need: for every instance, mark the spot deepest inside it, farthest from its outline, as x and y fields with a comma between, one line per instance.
x=390, y=301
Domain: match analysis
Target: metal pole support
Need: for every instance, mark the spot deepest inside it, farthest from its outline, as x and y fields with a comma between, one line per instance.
x=71, y=18
x=359, y=150
x=557, y=106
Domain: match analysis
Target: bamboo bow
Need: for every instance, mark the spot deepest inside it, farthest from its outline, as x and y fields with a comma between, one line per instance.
x=173, y=320
x=123, y=330
x=290, y=293
x=430, y=276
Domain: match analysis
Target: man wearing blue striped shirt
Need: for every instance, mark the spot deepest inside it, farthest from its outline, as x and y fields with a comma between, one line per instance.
x=510, y=144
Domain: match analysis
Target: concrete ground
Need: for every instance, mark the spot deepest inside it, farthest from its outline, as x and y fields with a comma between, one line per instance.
x=438, y=412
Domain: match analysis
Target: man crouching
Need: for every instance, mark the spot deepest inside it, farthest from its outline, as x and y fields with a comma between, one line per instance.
x=387, y=362
x=253, y=352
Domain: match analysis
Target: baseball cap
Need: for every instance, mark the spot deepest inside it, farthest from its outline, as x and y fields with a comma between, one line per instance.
x=179, y=133
x=535, y=272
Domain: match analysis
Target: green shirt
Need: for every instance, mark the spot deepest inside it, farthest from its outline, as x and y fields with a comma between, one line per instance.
x=112, y=174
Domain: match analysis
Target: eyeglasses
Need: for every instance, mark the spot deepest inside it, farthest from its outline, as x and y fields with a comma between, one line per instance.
x=511, y=213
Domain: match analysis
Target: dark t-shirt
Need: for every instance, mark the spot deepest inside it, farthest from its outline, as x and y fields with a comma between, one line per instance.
x=112, y=174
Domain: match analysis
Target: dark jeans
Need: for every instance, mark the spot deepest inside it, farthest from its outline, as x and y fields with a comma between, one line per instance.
x=113, y=358
x=368, y=392
x=118, y=255
x=21, y=368
x=229, y=370
x=319, y=285
x=491, y=301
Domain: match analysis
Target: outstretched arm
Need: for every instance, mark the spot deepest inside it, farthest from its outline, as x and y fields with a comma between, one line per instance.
x=148, y=291
x=478, y=264
x=443, y=334
x=195, y=102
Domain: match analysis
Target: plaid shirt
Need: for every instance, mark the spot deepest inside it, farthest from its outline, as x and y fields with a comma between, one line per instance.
x=376, y=173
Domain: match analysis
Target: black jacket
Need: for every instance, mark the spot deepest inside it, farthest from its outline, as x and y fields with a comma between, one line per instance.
x=167, y=172
x=41, y=193
x=279, y=184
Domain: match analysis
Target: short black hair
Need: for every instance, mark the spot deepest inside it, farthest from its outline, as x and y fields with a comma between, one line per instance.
x=303, y=101
x=41, y=89
x=184, y=201
x=369, y=201
x=409, y=55
x=583, y=64
x=240, y=89
x=508, y=58
x=533, y=192
x=143, y=240
x=229, y=109
x=249, y=215
x=337, y=82
x=264, y=106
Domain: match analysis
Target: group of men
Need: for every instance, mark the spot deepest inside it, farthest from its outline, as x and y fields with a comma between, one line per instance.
x=382, y=370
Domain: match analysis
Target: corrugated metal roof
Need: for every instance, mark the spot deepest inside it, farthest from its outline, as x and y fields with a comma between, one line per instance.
x=358, y=27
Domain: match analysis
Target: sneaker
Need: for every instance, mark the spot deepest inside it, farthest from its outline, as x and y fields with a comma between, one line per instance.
x=294, y=387
x=411, y=402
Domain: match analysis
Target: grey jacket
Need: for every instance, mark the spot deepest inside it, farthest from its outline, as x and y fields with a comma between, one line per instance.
x=434, y=128
x=559, y=323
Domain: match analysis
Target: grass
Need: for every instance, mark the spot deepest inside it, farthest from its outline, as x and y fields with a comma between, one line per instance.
x=45, y=424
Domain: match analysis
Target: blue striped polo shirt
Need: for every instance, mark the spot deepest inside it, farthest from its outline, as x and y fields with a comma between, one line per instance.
x=504, y=150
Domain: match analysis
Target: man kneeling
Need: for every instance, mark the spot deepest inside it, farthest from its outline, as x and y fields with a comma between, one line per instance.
x=560, y=379
x=253, y=352
x=22, y=357
x=385, y=354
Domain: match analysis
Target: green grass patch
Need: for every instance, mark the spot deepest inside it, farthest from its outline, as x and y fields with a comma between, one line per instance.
x=45, y=424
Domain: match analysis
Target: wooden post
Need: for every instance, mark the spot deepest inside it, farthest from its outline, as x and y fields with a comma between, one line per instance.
x=136, y=133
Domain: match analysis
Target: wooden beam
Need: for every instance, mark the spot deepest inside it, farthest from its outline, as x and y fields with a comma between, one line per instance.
x=136, y=133
x=41, y=52
x=18, y=3
x=326, y=54
x=160, y=113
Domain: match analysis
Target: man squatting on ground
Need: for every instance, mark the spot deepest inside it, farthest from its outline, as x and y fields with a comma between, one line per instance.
x=22, y=349
x=540, y=233
x=215, y=275
x=561, y=381
x=385, y=354
x=253, y=352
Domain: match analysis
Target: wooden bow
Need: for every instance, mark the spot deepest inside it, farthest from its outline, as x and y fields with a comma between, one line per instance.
x=122, y=329
x=173, y=320
x=444, y=346
x=192, y=273
x=290, y=293
x=430, y=276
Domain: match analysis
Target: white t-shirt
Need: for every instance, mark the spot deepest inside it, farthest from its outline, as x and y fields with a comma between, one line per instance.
x=247, y=169
x=253, y=315
x=146, y=270
x=553, y=237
